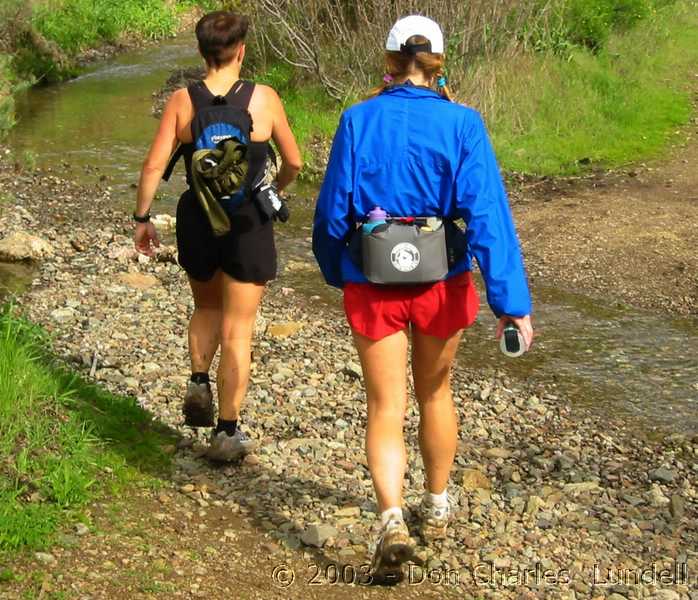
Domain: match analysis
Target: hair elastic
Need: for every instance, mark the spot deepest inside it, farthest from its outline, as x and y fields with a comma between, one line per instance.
x=442, y=81
x=388, y=78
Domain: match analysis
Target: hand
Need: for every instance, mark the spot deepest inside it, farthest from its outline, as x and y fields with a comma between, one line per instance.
x=522, y=323
x=146, y=238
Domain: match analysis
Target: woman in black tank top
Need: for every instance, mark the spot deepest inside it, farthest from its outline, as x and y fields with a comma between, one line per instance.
x=227, y=274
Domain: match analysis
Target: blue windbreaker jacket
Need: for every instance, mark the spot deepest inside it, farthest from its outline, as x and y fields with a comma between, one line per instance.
x=414, y=153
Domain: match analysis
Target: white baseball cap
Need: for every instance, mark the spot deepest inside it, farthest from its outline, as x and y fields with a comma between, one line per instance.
x=406, y=27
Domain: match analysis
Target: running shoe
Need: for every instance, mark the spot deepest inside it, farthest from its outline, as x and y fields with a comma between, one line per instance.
x=434, y=519
x=198, y=405
x=393, y=548
x=225, y=448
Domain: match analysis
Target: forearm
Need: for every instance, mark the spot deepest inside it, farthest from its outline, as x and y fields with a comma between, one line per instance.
x=147, y=186
x=287, y=175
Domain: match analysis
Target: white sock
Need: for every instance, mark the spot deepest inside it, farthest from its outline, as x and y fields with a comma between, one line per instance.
x=438, y=500
x=393, y=513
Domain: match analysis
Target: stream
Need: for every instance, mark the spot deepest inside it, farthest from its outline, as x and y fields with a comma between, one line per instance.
x=630, y=364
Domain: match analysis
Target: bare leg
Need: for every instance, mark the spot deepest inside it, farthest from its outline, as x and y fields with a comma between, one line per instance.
x=438, y=422
x=240, y=303
x=384, y=364
x=205, y=323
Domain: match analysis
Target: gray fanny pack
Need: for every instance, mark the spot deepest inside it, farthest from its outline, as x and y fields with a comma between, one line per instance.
x=405, y=251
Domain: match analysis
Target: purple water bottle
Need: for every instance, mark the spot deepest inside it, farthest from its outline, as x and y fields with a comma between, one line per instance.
x=376, y=217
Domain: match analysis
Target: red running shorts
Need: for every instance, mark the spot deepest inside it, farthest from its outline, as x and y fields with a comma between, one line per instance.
x=438, y=309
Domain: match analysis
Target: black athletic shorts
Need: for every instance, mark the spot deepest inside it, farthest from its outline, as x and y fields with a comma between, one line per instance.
x=247, y=253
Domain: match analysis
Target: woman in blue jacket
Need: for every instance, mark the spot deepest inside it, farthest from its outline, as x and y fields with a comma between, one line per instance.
x=413, y=152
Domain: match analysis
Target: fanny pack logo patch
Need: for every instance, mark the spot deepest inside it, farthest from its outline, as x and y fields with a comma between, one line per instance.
x=405, y=257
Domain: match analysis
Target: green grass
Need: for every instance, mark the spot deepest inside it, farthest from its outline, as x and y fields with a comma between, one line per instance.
x=552, y=116
x=313, y=116
x=63, y=441
x=78, y=24
x=7, y=103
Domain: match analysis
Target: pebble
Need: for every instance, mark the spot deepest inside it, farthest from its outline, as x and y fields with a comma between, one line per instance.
x=474, y=479
x=662, y=475
x=45, y=558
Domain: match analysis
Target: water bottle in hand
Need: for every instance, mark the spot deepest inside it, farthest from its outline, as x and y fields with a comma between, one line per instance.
x=512, y=343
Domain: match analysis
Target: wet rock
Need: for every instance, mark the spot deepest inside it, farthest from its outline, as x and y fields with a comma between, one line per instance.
x=20, y=246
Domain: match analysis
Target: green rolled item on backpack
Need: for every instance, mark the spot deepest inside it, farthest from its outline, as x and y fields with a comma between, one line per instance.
x=217, y=173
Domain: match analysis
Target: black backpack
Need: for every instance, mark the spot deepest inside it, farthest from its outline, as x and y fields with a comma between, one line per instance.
x=221, y=132
x=218, y=119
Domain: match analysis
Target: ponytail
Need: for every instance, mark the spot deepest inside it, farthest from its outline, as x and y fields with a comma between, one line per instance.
x=398, y=65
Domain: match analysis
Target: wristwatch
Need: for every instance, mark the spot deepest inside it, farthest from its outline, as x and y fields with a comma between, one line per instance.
x=144, y=219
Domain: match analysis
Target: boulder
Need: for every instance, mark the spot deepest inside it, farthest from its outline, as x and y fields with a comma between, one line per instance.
x=20, y=246
x=317, y=535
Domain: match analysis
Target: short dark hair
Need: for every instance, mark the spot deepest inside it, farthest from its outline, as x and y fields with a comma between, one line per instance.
x=219, y=33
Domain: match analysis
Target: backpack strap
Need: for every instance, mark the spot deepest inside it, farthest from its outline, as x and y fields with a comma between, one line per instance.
x=200, y=95
x=178, y=153
x=240, y=94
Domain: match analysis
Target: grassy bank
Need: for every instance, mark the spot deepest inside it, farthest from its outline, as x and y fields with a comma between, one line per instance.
x=63, y=442
x=553, y=115
x=43, y=40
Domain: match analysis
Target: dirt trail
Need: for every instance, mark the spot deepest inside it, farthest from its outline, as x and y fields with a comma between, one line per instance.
x=628, y=237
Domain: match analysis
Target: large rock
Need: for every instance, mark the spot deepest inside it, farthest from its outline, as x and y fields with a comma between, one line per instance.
x=139, y=281
x=581, y=487
x=20, y=246
x=317, y=535
x=662, y=475
x=283, y=330
x=475, y=480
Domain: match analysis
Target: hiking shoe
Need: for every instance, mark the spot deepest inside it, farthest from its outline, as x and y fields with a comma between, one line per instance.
x=198, y=405
x=434, y=519
x=394, y=547
x=226, y=447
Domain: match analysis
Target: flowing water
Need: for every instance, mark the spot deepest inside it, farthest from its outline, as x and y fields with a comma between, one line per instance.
x=636, y=365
